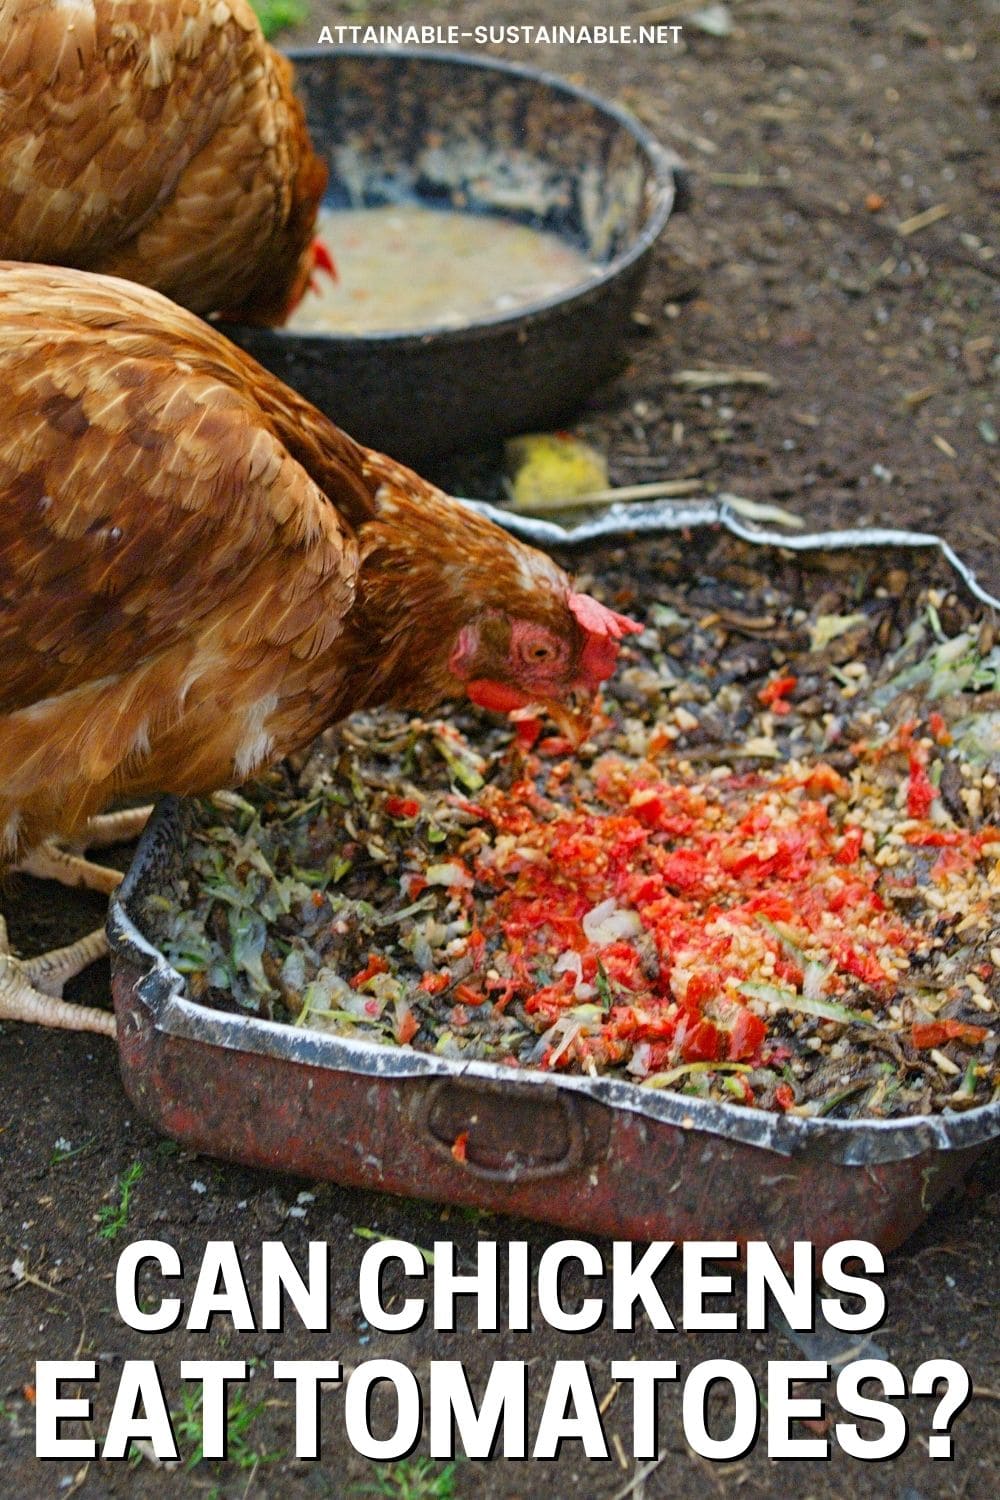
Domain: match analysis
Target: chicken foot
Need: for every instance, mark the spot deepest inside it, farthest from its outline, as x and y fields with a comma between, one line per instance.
x=50, y=861
x=31, y=988
x=114, y=827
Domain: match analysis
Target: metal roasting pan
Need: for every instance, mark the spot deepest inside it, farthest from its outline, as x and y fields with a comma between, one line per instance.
x=596, y=1155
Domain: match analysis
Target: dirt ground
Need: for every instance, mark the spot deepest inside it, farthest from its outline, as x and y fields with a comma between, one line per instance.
x=813, y=130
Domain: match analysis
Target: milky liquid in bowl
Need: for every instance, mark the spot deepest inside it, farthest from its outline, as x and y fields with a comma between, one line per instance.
x=404, y=267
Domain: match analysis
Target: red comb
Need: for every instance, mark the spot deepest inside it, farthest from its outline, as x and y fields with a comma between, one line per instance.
x=322, y=259
x=597, y=619
x=604, y=628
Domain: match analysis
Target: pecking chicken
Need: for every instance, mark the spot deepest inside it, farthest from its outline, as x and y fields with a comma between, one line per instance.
x=158, y=140
x=199, y=572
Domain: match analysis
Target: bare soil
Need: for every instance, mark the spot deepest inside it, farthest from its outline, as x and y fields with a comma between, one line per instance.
x=814, y=130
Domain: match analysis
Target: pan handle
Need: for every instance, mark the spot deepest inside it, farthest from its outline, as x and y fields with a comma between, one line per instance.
x=509, y=1132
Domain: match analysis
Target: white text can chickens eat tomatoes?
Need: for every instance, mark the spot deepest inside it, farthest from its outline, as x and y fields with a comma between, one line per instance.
x=151, y=1279
x=436, y=1400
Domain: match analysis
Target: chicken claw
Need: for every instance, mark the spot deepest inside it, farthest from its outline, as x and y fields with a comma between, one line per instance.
x=49, y=862
x=31, y=988
x=52, y=862
x=114, y=827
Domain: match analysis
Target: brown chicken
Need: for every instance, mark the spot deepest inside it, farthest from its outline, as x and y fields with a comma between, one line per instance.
x=199, y=571
x=158, y=140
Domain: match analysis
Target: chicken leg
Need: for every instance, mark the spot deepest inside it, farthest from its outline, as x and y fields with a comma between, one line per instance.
x=31, y=988
x=50, y=861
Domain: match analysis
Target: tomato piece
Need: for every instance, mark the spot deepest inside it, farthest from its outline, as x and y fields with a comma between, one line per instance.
x=932, y=838
x=376, y=965
x=939, y=728
x=555, y=744
x=647, y=805
x=746, y=1035
x=850, y=846
x=700, y=987
x=772, y=693
x=406, y=1027
x=526, y=732
x=702, y=1043
x=932, y=1033
x=402, y=807
x=684, y=869
x=468, y=995
x=920, y=791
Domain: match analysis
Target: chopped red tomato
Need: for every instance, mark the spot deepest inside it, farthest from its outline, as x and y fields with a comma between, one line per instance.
x=402, y=807
x=376, y=965
x=746, y=1035
x=939, y=728
x=850, y=846
x=468, y=995
x=920, y=790
x=774, y=693
x=526, y=732
x=704, y=1042
x=706, y=887
x=406, y=1027
x=934, y=1033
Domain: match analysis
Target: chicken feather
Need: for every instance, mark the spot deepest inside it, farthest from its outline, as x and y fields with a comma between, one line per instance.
x=158, y=140
x=199, y=571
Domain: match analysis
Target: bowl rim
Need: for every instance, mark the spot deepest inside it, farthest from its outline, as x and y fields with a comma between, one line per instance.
x=662, y=163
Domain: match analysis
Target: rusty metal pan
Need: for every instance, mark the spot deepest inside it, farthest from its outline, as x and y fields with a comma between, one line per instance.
x=593, y=1154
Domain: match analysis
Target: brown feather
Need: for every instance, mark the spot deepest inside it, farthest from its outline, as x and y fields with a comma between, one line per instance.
x=199, y=571
x=158, y=140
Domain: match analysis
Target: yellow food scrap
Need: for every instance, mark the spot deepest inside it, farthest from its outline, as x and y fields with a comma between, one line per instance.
x=546, y=467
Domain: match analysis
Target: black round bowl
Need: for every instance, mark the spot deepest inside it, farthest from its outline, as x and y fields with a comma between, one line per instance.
x=487, y=137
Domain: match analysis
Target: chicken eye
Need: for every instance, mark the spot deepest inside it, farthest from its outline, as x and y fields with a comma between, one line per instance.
x=537, y=652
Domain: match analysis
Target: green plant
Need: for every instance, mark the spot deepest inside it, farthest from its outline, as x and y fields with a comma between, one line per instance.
x=63, y=1151
x=240, y=1418
x=275, y=15
x=412, y=1479
x=114, y=1216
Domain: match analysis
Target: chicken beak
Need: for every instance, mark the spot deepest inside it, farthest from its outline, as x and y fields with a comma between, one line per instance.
x=573, y=724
